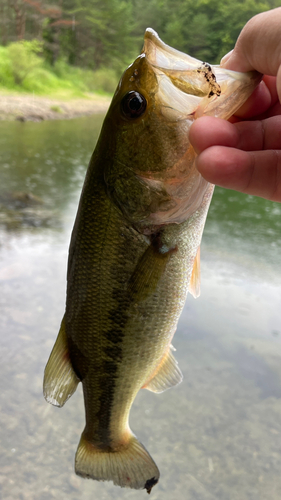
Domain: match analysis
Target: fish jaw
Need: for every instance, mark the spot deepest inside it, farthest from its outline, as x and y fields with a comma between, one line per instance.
x=150, y=168
x=189, y=87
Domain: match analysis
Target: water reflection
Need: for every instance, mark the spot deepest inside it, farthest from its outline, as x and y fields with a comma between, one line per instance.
x=216, y=436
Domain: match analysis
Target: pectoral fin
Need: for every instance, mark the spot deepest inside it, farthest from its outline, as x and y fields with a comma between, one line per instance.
x=149, y=270
x=194, y=284
x=167, y=375
x=60, y=380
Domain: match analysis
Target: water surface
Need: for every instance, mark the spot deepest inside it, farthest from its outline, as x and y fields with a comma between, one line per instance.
x=217, y=436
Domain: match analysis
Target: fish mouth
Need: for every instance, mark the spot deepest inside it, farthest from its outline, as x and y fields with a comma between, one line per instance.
x=162, y=55
x=190, y=87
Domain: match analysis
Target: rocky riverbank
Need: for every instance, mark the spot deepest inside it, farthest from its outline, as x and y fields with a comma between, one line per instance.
x=28, y=107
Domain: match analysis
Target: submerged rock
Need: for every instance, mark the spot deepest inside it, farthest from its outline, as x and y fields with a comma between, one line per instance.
x=24, y=209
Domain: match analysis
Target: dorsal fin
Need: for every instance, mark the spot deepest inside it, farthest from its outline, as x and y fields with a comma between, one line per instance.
x=167, y=374
x=194, y=284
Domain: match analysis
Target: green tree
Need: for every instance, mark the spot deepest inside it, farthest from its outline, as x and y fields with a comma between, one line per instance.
x=109, y=33
x=207, y=29
x=103, y=32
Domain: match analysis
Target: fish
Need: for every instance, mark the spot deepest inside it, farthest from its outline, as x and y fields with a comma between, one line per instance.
x=135, y=253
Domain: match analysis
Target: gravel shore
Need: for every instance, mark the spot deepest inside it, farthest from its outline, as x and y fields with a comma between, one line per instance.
x=27, y=107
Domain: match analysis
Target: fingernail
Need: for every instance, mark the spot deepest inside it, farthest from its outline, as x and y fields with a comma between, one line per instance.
x=226, y=58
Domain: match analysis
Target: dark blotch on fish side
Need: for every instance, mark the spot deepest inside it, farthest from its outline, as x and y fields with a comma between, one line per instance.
x=150, y=483
x=75, y=356
x=112, y=352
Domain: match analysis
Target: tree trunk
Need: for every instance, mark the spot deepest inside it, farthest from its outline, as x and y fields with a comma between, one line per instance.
x=4, y=22
x=19, y=9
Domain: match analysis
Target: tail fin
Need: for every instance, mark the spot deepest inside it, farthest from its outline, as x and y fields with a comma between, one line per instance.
x=130, y=466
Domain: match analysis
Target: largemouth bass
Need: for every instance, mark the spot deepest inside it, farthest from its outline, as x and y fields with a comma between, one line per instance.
x=134, y=253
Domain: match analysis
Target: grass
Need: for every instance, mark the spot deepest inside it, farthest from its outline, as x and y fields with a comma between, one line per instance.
x=23, y=70
x=55, y=108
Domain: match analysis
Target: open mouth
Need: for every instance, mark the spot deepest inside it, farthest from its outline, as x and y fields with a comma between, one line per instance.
x=189, y=87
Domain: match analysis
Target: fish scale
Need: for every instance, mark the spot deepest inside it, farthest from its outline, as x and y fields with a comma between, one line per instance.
x=134, y=253
x=104, y=311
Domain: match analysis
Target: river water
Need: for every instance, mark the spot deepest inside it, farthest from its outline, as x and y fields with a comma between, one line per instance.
x=217, y=436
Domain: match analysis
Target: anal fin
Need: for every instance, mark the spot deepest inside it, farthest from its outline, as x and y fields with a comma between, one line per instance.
x=167, y=375
x=60, y=380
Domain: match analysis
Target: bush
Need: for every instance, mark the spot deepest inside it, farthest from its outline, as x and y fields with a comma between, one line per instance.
x=40, y=81
x=6, y=72
x=61, y=68
x=23, y=58
x=103, y=79
x=21, y=68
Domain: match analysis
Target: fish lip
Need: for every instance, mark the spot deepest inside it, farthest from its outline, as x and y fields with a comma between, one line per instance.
x=154, y=47
x=162, y=56
x=181, y=78
x=188, y=87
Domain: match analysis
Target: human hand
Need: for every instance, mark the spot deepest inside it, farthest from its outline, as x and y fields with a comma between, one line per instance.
x=246, y=155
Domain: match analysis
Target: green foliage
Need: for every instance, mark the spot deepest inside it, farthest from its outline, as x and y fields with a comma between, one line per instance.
x=104, y=29
x=6, y=74
x=85, y=43
x=41, y=78
x=226, y=22
x=207, y=29
x=55, y=108
x=102, y=79
x=23, y=58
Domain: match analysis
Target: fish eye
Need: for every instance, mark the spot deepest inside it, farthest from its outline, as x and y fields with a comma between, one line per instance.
x=133, y=104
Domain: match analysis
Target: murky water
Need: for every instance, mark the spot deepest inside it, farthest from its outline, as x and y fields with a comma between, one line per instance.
x=217, y=436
